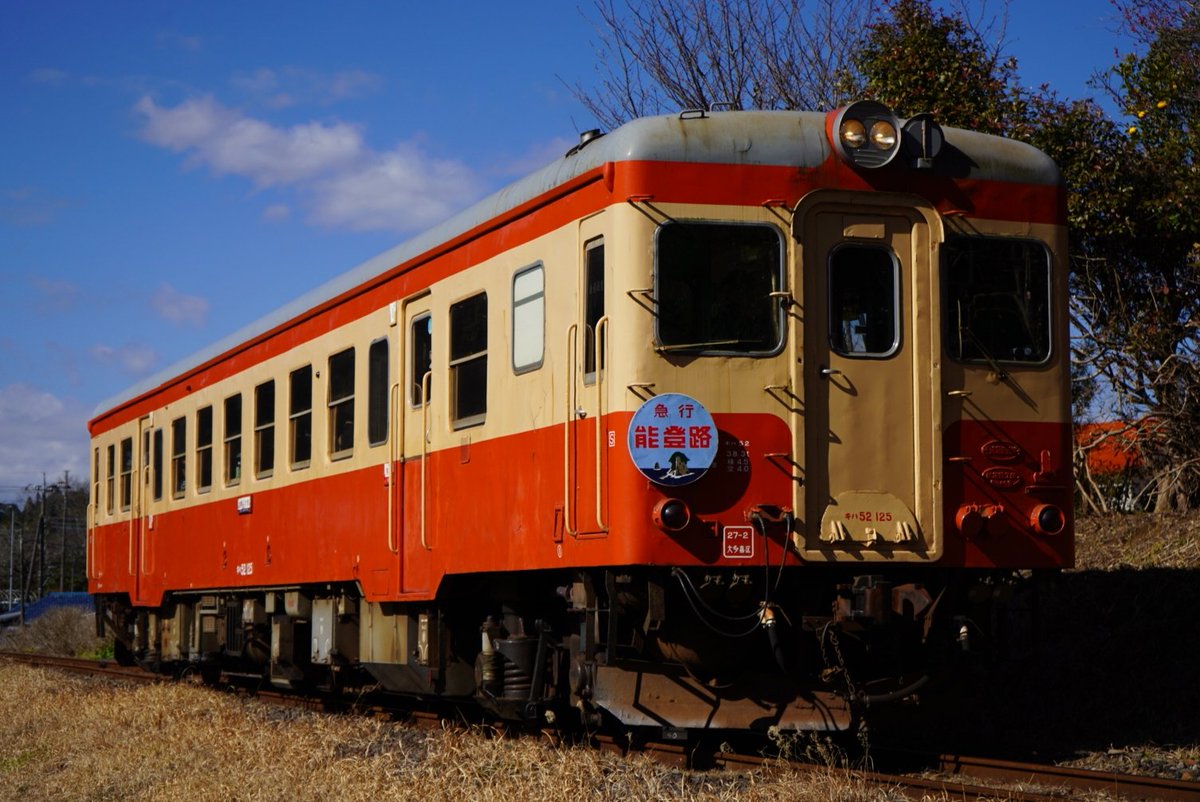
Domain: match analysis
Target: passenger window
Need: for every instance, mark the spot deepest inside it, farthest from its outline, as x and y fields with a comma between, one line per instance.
x=110, y=481
x=997, y=299
x=158, y=464
x=529, y=319
x=233, y=439
x=593, y=306
x=378, y=389
x=713, y=285
x=864, y=299
x=126, y=473
x=468, y=360
x=421, y=359
x=300, y=417
x=264, y=429
x=178, y=457
x=341, y=403
x=204, y=451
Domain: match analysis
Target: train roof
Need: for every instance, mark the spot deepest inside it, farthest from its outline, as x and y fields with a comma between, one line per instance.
x=765, y=138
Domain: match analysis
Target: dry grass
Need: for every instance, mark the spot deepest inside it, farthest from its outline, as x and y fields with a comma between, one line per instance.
x=1140, y=540
x=68, y=738
x=66, y=632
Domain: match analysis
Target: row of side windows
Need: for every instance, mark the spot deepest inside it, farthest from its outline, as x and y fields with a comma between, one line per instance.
x=168, y=464
x=174, y=475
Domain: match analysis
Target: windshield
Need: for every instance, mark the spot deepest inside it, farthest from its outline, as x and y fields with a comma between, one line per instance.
x=713, y=285
x=997, y=299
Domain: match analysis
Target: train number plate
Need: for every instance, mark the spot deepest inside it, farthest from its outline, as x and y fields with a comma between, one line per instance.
x=739, y=542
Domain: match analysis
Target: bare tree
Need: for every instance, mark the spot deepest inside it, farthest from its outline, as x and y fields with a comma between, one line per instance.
x=659, y=56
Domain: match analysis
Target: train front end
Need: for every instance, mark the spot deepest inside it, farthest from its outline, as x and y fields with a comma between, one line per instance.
x=847, y=418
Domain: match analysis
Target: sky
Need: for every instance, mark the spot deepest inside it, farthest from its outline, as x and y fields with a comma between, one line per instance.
x=172, y=171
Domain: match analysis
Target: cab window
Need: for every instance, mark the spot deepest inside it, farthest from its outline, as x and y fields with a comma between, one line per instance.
x=713, y=285
x=997, y=299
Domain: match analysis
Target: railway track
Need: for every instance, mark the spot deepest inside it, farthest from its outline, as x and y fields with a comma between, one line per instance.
x=946, y=776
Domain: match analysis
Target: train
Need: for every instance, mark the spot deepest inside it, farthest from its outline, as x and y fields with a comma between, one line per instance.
x=736, y=421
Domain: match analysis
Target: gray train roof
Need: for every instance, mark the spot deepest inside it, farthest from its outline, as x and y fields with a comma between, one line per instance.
x=791, y=138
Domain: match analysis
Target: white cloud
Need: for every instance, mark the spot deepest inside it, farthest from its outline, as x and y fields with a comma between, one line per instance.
x=57, y=295
x=49, y=76
x=231, y=143
x=343, y=181
x=179, y=308
x=277, y=212
x=40, y=433
x=288, y=86
x=403, y=189
x=134, y=359
x=29, y=206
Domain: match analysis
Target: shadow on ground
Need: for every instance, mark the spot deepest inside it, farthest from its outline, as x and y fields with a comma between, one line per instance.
x=1114, y=662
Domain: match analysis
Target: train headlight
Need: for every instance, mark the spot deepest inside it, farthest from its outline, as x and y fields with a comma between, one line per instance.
x=1047, y=519
x=866, y=134
x=853, y=134
x=883, y=135
x=671, y=515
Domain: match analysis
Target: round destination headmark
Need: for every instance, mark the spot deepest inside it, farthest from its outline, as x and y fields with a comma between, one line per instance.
x=672, y=439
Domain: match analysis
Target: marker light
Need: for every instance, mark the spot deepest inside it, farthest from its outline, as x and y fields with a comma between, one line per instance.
x=671, y=515
x=1047, y=519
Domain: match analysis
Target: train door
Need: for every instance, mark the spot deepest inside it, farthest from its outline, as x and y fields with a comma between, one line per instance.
x=869, y=380
x=416, y=525
x=587, y=391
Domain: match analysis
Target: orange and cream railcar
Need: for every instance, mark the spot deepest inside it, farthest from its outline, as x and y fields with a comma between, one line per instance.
x=723, y=420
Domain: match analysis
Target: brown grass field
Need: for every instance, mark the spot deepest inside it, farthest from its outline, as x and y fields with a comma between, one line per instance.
x=1113, y=682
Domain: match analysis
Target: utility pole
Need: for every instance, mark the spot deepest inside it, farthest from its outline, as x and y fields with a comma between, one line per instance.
x=62, y=556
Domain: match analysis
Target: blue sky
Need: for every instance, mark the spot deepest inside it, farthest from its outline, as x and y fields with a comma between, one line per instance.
x=171, y=171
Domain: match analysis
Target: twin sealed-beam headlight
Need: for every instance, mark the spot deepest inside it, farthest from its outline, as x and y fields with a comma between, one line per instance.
x=867, y=134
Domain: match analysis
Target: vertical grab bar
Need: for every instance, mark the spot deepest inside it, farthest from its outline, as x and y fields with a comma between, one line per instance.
x=424, y=450
x=601, y=366
x=393, y=431
x=571, y=350
x=141, y=511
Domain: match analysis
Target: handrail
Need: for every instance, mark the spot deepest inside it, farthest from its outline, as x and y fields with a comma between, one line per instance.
x=571, y=353
x=147, y=476
x=601, y=364
x=424, y=450
x=393, y=435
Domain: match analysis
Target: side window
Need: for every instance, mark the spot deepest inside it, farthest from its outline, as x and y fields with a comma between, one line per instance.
x=713, y=285
x=158, y=464
x=529, y=319
x=178, y=457
x=233, y=439
x=110, y=480
x=341, y=403
x=264, y=429
x=95, y=480
x=997, y=299
x=468, y=361
x=864, y=300
x=126, y=473
x=593, y=308
x=300, y=417
x=422, y=360
x=378, y=390
x=204, y=449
